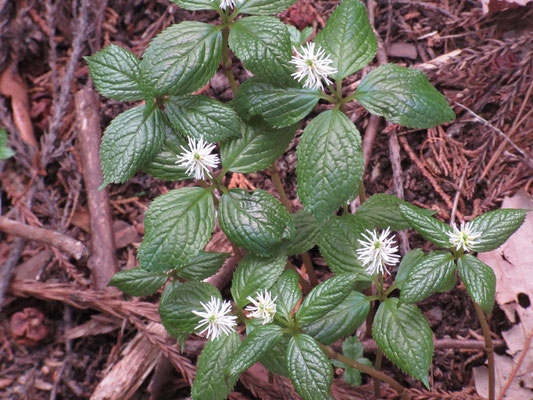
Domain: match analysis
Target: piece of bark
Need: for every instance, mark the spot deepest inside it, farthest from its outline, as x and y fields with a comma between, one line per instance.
x=138, y=360
x=103, y=260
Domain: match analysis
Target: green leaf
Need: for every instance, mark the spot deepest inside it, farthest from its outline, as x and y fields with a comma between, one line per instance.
x=287, y=292
x=256, y=344
x=210, y=382
x=348, y=38
x=382, y=211
x=324, y=298
x=404, y=335
x=259, y=146
x=178, y=225
x=342, y=320
x=265, y=7
x=203, y=117
x=479, y=280
x=204, y=265
x=131, y=141
x=196, y=5
x=116, y=73
x=275, y=360
x=264, y=46
x=403, y=96
x=330, y=163
x=307, y=234
x=427, y=276
x=178, y=302
x=496, y=227
x=309, y=369
x=279, y=105
x=164, y=166
x=430, y=228
x=339, y=241
x=257, y=222
x=353, y=349
x=253, y=274
x=182, y=58
x=138, y=281
x=5, y=152
x=406, y=265
x=298, y=38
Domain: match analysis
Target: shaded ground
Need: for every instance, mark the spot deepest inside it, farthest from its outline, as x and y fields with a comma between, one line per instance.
x=488, y=79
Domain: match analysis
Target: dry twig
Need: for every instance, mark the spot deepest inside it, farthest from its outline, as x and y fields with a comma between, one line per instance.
x=103, y=260
x=65, y=243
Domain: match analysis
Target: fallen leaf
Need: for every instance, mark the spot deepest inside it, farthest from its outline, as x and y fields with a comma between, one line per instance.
x=492, y=6
x=503, y=368
x=27, y=326
x=513, y=266
x=12, y=85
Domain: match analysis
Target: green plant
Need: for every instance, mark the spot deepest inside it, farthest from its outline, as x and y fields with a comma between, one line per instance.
x=5, y=151
x=169, y=137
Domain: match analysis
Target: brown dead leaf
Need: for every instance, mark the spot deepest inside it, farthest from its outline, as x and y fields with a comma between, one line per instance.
x=513, y=266
x=12, y=85
x=492, y=6
x=27, y=326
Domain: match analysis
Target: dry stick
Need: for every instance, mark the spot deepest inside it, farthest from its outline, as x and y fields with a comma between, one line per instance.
x=103, y=261
x=397, y=182
x=517, y=366
x=489, y=348
x=457, y=196
x=440, y=344
x=60, y=102
x=65, y=243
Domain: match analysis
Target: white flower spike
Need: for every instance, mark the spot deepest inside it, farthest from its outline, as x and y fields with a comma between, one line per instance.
x=312, y=66
x=263, y=308
x=228, y=3
x=198, y=158
x=463, y=238
x=377, y=252
x=216, y=320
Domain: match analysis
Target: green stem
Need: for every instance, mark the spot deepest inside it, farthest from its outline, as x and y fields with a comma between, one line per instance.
x=226, y=61
x=377, y=366
x=489, y=348
x=361, y=191
x=330, y=353
x=279, y=187
x=285, y=201
x=310, y=269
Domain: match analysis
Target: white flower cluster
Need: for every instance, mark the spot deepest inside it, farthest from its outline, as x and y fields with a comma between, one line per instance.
x=197, y=158
x=216, y=319
x=313, y=66
x=228, y=3
x=464, y=238
x=264, y=307
x=377, y=251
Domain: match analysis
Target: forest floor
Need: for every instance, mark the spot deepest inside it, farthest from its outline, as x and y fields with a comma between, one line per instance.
x=62, y=338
